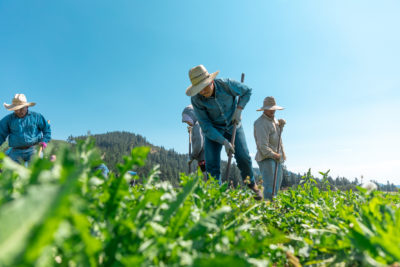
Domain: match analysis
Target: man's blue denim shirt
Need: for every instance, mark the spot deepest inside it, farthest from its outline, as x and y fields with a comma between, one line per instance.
x=215, y=113
x=26, y=131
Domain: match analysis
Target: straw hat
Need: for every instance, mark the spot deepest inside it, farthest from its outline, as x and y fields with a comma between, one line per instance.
x=200, y=78
x=269, y=104
x=18, y=102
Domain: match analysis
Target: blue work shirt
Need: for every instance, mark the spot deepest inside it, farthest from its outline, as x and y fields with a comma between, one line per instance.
x=215, y=113
x=26, y=131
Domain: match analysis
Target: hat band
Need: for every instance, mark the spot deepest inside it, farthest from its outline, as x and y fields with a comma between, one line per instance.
x=16, y=103
x=199, y=78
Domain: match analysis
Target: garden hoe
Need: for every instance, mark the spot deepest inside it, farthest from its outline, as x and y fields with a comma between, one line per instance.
x=276, y=164
x=233, y=144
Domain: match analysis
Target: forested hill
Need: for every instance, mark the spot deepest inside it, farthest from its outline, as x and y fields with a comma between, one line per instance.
x=117, y=144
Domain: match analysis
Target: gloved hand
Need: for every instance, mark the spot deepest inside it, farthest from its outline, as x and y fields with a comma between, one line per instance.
x=190, y=160
x=237, y=116
x=281, y=122
x=43, y=145
x=228, y=147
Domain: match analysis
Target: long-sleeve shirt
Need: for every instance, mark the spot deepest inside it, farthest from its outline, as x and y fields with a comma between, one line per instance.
x=197, y=143
x=196, y=134
x=26, y=131
x=215, y=113
x=266, y=133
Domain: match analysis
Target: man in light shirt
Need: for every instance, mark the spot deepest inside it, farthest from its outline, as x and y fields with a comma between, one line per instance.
x=267, y=131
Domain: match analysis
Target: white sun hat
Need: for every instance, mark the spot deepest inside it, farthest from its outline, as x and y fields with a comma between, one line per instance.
x=199, y=78
x=269, y=104
x=19, y=101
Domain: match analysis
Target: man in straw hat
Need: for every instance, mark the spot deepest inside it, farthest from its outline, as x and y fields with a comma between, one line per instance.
x=214, y=102
x=24, y=129
x=267, y=131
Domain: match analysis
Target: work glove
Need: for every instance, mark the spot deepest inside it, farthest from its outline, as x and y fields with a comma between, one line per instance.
x=237, y=116
x=43, y=145
x=190, y=161
x=281, y=123
x=228, y=147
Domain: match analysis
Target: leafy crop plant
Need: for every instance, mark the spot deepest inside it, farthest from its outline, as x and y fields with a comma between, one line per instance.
x=64, y=213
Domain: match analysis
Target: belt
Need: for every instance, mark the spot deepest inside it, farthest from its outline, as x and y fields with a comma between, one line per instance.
x=22, y=147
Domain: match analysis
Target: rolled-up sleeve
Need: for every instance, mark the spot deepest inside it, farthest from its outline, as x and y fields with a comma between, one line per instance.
x=239, y=89
x=261, y=133
x=4, y=130
x=44, y=126
x=206, y=124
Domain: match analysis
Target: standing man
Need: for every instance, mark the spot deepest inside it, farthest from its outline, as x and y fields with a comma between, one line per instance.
x=24, y=129
x=215, y=104
x=266, y=132
x=197, y=137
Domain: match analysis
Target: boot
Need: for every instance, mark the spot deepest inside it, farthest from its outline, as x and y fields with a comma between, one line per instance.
x=257, y=191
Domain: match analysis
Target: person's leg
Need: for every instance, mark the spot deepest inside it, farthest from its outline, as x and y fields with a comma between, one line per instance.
x=267, y=167
x=27, y=154
x=15, y=155
x=213, y=158
x=242, y=156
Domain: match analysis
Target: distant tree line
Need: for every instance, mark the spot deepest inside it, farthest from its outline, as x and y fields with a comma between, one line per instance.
x=115, y=145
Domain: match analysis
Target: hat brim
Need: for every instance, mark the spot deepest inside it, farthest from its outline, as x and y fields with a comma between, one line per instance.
x=270, y=108
x=12, y=107
x=195, y=89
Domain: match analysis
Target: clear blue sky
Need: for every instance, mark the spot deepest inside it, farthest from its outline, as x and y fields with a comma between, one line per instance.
x=123, y=65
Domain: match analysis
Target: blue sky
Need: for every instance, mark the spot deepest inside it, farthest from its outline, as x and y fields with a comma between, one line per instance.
x=123, y=65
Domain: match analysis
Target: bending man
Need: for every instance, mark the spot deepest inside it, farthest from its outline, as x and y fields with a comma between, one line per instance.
x=214, y=102
x=197, y=138
x=24, y=129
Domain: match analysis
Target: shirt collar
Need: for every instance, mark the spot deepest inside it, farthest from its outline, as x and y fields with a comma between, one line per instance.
x=27, y=114
x=270, y=119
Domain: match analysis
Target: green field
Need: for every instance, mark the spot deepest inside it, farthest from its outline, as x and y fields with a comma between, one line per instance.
x=66, y=214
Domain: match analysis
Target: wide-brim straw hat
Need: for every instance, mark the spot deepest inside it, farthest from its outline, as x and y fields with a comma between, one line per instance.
x=199, y=78
x=19, y=101
x=269, y=104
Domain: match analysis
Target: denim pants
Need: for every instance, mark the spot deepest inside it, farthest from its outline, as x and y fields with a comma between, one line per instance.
x=242, y=156
x=267, y=169
x=21, y=155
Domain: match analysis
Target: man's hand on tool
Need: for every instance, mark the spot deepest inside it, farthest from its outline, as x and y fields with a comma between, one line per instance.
x=281, y=122
x=276, y=156
x=228, y=147
x=237, y=116
x=190, y=160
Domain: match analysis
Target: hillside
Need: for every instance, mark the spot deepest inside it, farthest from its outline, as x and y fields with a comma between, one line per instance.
x=117, y=144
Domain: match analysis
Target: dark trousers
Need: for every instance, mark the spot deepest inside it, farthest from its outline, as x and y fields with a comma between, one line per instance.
x=242, y=156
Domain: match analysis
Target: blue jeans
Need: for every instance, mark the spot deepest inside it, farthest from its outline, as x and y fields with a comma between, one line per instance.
x=19, y=155
x=267, y=169
x=242, y=156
